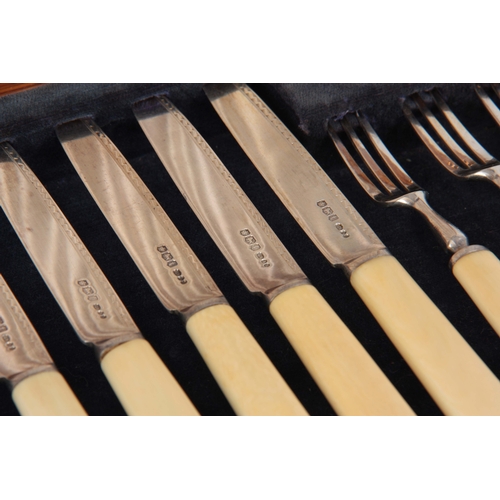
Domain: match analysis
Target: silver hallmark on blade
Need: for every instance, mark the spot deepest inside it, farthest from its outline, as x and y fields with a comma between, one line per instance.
x=248, y=243
x=22, y=353
x=320, y=208
x=74, y=278
x=167, y=262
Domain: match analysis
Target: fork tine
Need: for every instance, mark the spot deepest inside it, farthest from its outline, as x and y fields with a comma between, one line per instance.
x=386, y=155
x=356, y=171
x=431, y=144
x=380, y=175
x=488, y=102
x=443, y=133
x=464, y=134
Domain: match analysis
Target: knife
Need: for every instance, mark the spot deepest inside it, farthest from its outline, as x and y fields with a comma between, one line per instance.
x=348, y=377
x=37, y=386
x=453, y=374
x=139, y=378
x=245, y=374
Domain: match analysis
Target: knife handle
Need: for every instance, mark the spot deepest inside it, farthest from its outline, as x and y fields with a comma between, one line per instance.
x=46, y=393
x=142, y=383
x=246, y=376
x=453, y=374
x=346, y=374
x=479, y=275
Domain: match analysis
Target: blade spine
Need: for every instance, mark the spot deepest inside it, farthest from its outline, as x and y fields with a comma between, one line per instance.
x=152, y=203
x=69, y=233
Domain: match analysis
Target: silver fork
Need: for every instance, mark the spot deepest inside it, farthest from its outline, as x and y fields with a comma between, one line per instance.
x=479, y=164
x=476, y=268
x=488, y=102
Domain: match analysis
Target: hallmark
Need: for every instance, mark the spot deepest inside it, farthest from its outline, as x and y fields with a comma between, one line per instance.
x=6, y=338
x=254, y=246
x=333, y=217
x=90, y=293
x=169, y=259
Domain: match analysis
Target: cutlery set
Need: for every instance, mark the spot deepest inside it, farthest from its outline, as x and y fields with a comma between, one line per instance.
x=334, y=352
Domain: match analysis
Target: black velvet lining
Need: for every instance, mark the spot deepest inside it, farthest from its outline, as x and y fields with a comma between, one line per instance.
x=27, y=120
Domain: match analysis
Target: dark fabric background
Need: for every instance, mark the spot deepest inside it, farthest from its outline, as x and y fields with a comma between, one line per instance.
x=27, y=120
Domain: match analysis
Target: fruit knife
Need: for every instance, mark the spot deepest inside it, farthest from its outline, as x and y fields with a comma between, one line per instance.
x=243, y=371
x=139, y=378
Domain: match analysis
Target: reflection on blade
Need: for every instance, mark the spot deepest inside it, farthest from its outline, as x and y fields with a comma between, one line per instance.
x=81, y=289
x=328, y=218
x=249, y=244
x=167, y=262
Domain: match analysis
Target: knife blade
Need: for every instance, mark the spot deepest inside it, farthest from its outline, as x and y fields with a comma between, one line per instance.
x=37, y=386
x=452, y=373
x=349, y=378
x=245, y=374
x=141, y=381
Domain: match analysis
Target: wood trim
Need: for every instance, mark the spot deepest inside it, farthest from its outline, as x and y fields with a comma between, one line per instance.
x=10, y=88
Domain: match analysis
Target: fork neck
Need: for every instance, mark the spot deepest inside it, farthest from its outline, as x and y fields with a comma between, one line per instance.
x=450, y=237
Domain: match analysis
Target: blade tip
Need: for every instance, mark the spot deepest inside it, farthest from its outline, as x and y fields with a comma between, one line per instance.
x=74, y=129
x=149, y=107
x=215, y=91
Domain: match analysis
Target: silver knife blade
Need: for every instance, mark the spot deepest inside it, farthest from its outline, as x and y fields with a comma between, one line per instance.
x=169, y=265
x=327, y=217
x=250, y=245
x=22, y=352
x=90, y=303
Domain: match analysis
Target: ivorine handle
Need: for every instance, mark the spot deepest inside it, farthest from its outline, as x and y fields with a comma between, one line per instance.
x=453, y=374
x=344, y=371
x=142, y=383
x=249, y=380
x=479, y=274
x=46, y=393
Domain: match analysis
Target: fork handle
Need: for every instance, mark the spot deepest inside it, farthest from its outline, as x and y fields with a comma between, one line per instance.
x=453, y=374
x=479, y=274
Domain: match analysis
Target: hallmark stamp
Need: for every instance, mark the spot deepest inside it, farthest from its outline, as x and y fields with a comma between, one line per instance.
x=169, y=259
x=333, y=217
x=6, y=338
x=255, y=246
x=90, y=293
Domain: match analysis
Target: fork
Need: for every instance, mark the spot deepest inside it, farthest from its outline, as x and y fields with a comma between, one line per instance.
x=484, y=165
x=488, y=102
x=476, y=268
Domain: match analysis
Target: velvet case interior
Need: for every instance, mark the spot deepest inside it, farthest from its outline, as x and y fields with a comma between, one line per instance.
x=27, y=120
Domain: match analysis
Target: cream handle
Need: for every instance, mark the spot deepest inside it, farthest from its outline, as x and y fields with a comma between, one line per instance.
x=479, y=274
x=346, y=374
x=46, y=393
x=248, y=379
x=143, y=383
x=453, y=374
